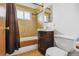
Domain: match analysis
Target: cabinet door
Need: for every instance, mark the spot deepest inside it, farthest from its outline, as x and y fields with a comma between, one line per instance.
x=2, y=37
x=42, y=47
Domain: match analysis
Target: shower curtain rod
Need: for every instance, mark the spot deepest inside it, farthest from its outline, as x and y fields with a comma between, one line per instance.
x=37, y=4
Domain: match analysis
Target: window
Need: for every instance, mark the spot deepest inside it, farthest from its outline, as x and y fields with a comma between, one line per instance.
x=27, y=15
x=19, y=14
x=23, y=15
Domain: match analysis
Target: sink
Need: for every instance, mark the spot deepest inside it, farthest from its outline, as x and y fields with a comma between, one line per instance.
x=47, y=27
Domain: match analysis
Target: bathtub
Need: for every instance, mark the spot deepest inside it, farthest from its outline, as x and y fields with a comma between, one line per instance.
x=26, y=48
x=28, y=38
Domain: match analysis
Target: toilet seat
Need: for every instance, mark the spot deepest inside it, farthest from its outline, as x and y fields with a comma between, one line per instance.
x=54, y=51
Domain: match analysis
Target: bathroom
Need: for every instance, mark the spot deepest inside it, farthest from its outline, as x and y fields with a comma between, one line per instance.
x=35, y=20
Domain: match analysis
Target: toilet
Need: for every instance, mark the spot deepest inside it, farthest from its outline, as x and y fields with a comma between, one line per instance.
x=64, y=45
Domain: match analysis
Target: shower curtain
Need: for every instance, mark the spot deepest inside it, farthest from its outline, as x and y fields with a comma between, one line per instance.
x=12, y=30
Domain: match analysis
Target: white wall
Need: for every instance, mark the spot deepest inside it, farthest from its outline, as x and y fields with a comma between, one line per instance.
x=2, y=12
x=66, y=18
x=41, y=17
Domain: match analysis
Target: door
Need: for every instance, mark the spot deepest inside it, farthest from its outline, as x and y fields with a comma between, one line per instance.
x=2, y=37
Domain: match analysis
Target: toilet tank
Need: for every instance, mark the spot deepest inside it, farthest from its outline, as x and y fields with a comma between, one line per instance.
x=65, y=42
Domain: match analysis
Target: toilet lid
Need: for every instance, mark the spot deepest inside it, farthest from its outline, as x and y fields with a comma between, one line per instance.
x=54, y=51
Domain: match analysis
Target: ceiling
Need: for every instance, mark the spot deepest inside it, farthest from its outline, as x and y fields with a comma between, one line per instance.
x=37, y=7
x=32, y=5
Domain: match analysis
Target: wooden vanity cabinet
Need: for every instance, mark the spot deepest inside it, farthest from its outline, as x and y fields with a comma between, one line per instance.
x=45, y=40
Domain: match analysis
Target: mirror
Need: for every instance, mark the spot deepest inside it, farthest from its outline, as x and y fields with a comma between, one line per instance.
x=48, y=14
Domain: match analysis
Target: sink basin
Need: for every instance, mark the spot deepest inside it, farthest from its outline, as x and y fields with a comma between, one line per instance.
x=45, y=30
